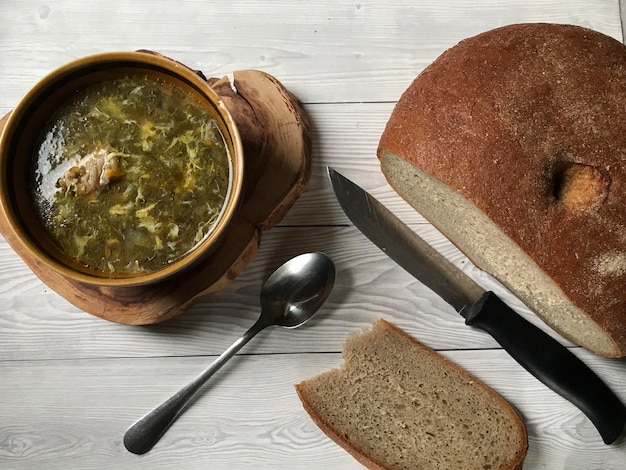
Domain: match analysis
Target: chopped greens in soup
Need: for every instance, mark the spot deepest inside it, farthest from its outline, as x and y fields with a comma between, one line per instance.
x=130, y=175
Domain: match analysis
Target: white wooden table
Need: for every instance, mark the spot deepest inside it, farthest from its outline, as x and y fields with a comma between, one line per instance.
x=70, y=383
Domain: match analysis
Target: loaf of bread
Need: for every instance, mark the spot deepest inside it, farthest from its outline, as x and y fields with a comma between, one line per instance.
x=396, y=404
x=513, y=144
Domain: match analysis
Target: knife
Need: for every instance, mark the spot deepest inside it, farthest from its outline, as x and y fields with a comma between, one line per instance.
x=540, y=354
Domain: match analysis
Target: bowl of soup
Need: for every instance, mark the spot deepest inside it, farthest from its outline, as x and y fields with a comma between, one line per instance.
x=121, y=169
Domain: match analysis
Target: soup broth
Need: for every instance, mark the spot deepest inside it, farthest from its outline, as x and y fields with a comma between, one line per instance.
x=130, y=175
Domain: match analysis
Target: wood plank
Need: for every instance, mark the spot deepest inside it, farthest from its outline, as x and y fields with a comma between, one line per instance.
x=248, y=417
x=345, y=137
x=328, y=51
x=36, y=323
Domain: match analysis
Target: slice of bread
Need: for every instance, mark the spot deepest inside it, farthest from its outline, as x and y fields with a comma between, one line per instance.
x=397, y=404
x=513, y=144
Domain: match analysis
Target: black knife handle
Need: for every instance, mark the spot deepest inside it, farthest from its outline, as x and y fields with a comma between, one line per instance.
x=551, y=363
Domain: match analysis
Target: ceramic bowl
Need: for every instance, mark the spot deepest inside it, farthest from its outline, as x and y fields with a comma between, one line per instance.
x=21, y=133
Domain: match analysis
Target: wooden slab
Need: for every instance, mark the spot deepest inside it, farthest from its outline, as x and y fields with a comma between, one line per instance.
x=277, y=152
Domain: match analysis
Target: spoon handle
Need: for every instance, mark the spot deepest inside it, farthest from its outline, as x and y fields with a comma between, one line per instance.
x=144, y=433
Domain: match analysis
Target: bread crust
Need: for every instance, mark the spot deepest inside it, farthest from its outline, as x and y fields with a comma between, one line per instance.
x=334, y=434
x=526, y=122
x=358, y=453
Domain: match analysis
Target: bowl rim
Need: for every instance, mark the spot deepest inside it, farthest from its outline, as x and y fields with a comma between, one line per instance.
x=146, y=61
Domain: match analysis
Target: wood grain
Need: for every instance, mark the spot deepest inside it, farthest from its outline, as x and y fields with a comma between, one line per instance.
x=72, y=383
x=53, y=425
x=324, y=51
x=368, y=286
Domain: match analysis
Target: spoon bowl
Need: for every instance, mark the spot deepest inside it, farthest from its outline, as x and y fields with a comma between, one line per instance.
x=297, y=289
x=289, y=297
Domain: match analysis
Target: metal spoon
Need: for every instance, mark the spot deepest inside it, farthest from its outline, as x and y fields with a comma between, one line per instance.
x=289, y=297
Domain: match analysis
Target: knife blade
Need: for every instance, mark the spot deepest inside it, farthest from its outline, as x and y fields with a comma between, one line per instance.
x=540, y=354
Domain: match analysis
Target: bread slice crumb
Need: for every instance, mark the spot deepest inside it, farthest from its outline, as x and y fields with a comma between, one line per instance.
x=396, y=404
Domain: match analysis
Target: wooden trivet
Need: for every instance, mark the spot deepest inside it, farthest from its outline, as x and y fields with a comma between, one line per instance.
x=277, y=152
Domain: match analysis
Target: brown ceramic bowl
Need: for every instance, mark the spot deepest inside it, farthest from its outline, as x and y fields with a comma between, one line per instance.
x=19, y=139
